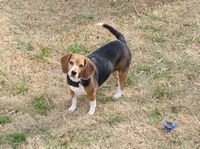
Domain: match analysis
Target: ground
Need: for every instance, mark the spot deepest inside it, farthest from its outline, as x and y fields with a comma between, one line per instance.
x=163, y=82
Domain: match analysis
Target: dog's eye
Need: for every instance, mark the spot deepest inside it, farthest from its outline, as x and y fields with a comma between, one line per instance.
x=71, y=62
x=81, y=65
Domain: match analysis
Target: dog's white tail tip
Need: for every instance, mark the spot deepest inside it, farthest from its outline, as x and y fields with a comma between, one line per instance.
x=100, y=24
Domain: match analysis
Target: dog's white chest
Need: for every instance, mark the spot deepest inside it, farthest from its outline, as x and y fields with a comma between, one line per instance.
x=78, y=90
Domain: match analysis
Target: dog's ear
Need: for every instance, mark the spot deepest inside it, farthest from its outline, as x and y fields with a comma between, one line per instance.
x=64, y=62
x=88, y=70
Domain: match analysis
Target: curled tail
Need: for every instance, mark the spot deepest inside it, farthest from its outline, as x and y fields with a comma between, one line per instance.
x=116, y=33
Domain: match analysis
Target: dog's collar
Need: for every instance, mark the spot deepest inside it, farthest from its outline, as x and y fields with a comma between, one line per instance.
x=77, y=84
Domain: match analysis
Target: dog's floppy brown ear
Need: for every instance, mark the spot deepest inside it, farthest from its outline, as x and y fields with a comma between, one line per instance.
x=64, y=62
x=88, y=70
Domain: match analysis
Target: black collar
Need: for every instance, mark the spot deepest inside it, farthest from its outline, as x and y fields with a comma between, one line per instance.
x=77, y=84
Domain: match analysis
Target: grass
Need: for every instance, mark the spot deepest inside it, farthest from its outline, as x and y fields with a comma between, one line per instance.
x=163, y=80
x=175, y=109
x=77, y=48
x=155, y=115
x=126, y=10
x=158, y=38
x=26, y=46
x=49, y=139
x=17, y=137
x=22, y=86
x=79, y=136
x=187, y=65
x=185, y=41
x=158, y=17
x=2, y=83
x=161, y=69
x=161, y=91
x=85, y=137
x=43, y=53
x=5, y=119
x=82, y=18
x=41, y=105
x=152, y=27
x=115, y=119
x=155, y=17
x=132, y=78
x=14, y=139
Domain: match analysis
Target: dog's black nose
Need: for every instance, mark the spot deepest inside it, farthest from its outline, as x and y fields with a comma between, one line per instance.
x=73, y=73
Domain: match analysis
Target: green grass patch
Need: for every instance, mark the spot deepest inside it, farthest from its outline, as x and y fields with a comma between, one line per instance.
x=132, y=78
x=103, y=98
x=43, y=53
x=158, y=38
x=158, y=70
x=186, y=40
x=142, y=100
x=42, y=130
x=152, y=27
x=2, y=83
x=4, y=119
x=115, y=119
x=187, y=66
x=17, y=137
x=197, y=39
x=126, y=10
x=155, y=115
x=14, y=139
x=79, y=136
x=160, y=91
x=41, y=105
x=50, y=139
x=26, y=46
x=22, y=86
x=77, y=48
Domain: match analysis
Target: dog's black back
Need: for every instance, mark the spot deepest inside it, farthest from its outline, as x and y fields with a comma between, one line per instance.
x=107, y=57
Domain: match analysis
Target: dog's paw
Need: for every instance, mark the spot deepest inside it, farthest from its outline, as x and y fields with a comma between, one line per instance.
x=91, y=112
x=118, y=94
x=71, y=109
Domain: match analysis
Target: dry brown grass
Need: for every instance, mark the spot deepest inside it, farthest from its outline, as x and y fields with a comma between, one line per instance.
x=164, y=79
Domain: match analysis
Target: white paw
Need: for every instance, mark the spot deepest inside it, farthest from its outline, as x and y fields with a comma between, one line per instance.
x=91, y=111
x=118, y=94
x=71, y=109
x=92, y=107
x=73, y=105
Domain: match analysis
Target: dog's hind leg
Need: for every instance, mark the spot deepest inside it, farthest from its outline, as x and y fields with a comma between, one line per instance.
x=120, y=83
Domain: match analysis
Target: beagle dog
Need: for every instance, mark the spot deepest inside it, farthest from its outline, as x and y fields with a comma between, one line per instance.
x=86, y=73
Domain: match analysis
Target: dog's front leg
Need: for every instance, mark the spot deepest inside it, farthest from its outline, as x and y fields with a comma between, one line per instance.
x=92, y=99
x=74, y=102
x=72, y=108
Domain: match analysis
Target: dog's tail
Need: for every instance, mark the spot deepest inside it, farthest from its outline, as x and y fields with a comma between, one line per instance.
x=116, y=33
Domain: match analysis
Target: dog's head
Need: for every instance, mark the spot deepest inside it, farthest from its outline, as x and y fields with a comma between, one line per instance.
x=77, y=67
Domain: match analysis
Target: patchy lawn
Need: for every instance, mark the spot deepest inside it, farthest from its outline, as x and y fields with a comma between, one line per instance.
x=164, y=78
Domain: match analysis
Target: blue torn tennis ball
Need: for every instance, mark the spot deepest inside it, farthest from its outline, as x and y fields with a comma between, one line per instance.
x=169, y=126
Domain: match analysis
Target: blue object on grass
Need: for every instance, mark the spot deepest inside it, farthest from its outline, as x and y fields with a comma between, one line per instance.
x=169, y=126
